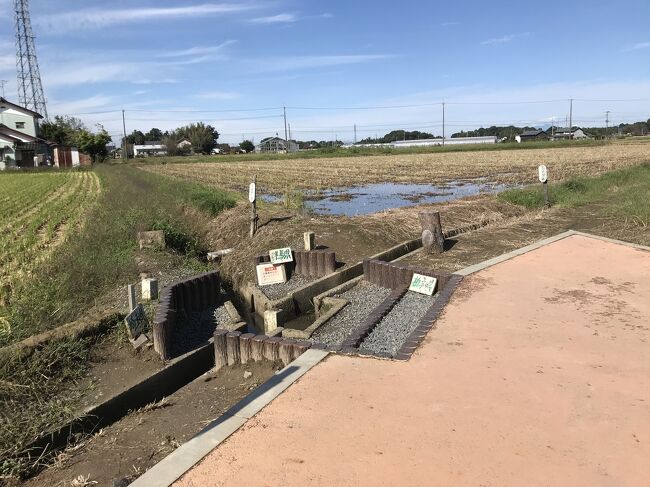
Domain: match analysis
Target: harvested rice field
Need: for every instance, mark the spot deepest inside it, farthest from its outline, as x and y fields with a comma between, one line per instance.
x=498, y=166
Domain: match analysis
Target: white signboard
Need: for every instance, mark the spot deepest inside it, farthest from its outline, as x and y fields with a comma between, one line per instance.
x=252, y=193
x=270, y=274
x=543, y=173
x=423, y=284
x=281, y=256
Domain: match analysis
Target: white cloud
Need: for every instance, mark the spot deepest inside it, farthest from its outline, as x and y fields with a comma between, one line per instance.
x=276, y=19
x=292, y=63
x=638, y=46
x=499, y=40
x=199, y=50
x=95, y=18
x=449, y=24
x=80, y=105
x=218, y=95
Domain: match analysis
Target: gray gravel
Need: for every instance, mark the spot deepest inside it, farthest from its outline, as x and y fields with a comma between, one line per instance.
x=276, y=291
x=391, y=332
x=363, y=298
x=196, y=328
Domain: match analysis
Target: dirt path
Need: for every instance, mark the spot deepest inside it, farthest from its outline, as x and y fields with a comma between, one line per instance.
x=126, y=449
x=536, y=375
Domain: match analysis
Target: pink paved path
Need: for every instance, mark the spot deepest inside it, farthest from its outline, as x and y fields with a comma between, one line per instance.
x=538, y=374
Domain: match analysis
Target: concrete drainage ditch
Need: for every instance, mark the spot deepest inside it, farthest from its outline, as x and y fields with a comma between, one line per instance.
x=380, y=282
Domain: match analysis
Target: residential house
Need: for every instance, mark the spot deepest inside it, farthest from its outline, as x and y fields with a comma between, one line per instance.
x=184, y=143
x=561, y=133
x=149, y=148
x=276, y=144
x=20, y=145
x=531, y=135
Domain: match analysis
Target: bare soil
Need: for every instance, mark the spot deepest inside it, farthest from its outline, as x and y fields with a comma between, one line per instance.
x=129, y=447
x=505, y=236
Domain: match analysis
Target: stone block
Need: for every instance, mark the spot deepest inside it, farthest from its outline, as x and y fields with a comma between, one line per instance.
x=149, y=289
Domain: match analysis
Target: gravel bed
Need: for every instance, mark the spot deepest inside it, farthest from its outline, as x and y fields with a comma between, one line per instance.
x=276, y=291
x=391, y=332
x=363, y=298
x=198, y=327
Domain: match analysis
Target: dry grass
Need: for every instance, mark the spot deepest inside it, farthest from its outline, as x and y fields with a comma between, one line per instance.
x=507, y=166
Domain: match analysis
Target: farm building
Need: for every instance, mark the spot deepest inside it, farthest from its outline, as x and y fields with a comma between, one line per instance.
x=430, y=142
x=183, y=143
x=561, y=133
x=276, y=144
x=149, y=148
x=531, y=135
x=19, y=144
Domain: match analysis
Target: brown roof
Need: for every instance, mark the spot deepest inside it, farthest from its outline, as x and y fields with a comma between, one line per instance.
x=7, y=102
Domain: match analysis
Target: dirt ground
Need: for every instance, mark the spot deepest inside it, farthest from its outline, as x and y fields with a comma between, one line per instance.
x=131, y=446
x=502, y=237
x=114, y=367
x=352, y=238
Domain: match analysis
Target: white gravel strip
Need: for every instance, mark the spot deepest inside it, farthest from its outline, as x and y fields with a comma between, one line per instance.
x=363, y=298
x=391, y=332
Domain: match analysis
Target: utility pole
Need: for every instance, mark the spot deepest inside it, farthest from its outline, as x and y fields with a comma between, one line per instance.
x=286, y=135
x=571, y=119
x=607, y=124
x=124, y=149
x=443, y=123
x=3, y=82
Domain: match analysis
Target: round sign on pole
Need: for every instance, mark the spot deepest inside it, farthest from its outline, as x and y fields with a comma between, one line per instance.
x=543, y=173
x=251, y=193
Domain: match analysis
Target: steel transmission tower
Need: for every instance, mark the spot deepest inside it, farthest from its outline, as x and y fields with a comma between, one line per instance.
x=30, y=88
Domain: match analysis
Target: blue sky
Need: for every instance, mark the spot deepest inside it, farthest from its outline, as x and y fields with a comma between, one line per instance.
x=183, y=57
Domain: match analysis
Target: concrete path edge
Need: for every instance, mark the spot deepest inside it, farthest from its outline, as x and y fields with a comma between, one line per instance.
x=172, y=467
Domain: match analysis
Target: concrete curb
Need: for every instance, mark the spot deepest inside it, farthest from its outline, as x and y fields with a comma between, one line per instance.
x=172, y=467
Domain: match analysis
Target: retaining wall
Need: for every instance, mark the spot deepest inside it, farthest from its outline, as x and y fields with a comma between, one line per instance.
x=193, y=294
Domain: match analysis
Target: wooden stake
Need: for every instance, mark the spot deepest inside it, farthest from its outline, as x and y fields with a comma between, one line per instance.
x=433, y=239
x=253, y=196
x=245, y=348
x=232, y=346
x=257, y=347
x=286, y=351
x=220, y=349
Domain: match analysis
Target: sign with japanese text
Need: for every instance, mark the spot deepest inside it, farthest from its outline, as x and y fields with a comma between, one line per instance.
x=543, y=173
x=252, y=196
x=423, y=284
x=281, y=256
x=270, y=274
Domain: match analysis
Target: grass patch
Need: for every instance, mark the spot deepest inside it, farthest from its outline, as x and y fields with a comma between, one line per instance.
x=35, y=397
x=100, y=255
x=627, y=192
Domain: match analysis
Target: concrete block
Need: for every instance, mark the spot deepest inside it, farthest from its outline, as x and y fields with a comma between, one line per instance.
x=310, y=241
x=149, y=289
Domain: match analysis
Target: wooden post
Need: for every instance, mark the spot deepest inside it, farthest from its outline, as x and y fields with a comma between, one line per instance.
x=286, y=351
x=257, y=347
x=272, y=349
x=330, y=263
x=546, y=202
x=252, y=197
x=310, y=241
x=220, y=349
x=245, y=348
x=232, y=346
x=300, y=347
x=432, y=238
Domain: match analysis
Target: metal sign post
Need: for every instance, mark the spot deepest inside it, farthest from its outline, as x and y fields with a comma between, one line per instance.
x=543, y=178
x=252, y=197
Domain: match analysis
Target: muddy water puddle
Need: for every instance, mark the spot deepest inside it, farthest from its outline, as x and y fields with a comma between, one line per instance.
x=373, y=198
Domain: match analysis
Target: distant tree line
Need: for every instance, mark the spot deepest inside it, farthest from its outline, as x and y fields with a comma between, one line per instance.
x=396, y=135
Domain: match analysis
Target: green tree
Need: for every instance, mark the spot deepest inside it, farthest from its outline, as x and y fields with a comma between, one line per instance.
x=203, y=137
x=154, y=134
x=61, y=130
x=247, y=145
x=135, y=137
x=93, y=144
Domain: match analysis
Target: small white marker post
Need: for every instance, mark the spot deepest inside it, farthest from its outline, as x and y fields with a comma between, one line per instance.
x=252, y=197
x=543, y=178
